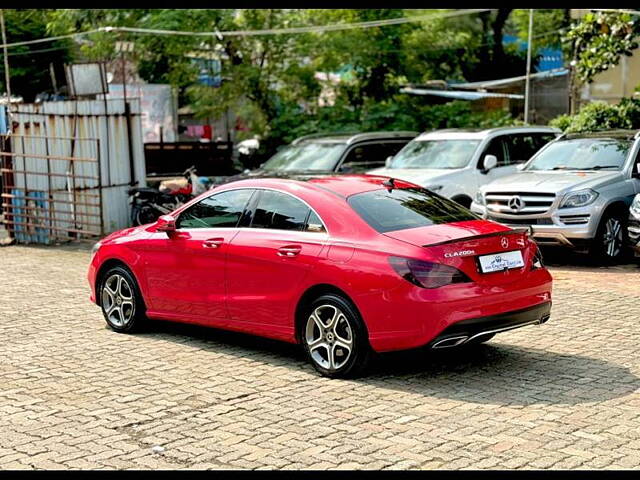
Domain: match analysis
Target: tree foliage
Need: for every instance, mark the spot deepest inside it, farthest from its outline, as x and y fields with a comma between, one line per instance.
x=601, y=116
x=600, y=39
x=29, y=64
x=271, y=80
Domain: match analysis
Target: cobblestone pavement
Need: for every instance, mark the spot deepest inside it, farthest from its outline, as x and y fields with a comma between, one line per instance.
x=74, y=394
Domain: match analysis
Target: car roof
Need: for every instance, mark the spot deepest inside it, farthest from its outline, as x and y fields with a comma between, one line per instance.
x=618, y=133
x=342, y=185
x=479, y=133
x=349, y=138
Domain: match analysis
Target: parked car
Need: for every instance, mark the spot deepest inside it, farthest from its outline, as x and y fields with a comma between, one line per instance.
x=456, y=162
x=344, y=265
x=633, y=226
x=326, y=153
x=575, y=192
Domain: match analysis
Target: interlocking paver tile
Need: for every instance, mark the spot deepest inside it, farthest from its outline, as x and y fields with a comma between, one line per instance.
x=74, y=394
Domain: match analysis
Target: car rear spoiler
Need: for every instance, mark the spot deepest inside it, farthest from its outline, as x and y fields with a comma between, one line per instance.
x=513, y=231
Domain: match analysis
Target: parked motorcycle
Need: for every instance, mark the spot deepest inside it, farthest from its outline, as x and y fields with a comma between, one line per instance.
x=147, y=204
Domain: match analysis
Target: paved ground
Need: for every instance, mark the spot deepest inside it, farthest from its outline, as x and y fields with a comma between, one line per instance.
x=74, y=394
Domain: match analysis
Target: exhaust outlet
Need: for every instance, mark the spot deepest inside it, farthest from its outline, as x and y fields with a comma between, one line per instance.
x=451, y=342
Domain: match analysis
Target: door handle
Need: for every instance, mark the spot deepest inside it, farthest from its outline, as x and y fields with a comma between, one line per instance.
x=213, y=242
x=289, y=250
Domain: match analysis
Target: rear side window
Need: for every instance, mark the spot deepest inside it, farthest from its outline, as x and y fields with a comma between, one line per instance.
x=400, y=209
x=280, y=211
x=368, y=156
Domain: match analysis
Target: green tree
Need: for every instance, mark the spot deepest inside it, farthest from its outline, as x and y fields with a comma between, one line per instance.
x=29, y=64
x=599, y=40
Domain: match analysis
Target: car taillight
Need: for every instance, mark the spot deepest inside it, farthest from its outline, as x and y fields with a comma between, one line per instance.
x=427, y=274
x=537, y=259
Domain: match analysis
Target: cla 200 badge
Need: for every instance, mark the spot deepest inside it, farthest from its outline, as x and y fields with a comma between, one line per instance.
x=460, y=253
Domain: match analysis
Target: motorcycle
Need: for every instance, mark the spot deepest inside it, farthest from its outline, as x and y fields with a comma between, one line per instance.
x=147, y=204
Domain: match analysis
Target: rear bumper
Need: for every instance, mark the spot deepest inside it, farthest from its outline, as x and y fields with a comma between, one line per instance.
x=465, y=331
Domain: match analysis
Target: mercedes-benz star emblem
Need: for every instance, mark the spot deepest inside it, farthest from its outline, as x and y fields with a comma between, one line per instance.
x=504, y=241
x=516, y=203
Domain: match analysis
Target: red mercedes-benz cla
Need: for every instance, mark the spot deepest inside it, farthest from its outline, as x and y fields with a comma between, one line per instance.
x=344, y=265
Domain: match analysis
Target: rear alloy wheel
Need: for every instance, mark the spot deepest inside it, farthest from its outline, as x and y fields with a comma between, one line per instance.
x=334, y=338
x=608, y=246
x=120, y=300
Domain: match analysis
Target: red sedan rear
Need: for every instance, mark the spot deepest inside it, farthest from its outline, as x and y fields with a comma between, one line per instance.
x=344, y=265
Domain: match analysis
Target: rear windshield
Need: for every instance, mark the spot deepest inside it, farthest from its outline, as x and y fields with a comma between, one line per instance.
x=399, y=209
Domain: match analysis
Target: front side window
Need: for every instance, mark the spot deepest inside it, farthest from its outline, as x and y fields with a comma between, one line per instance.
x=583, y=154
x=521, y=147
x=400, y=209
x=319, y=156
x=280, y=211
x=217, y=211
x=449, y=154
x=497, y=148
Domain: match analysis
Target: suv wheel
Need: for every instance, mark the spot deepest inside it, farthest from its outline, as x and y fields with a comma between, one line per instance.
x=609, y=243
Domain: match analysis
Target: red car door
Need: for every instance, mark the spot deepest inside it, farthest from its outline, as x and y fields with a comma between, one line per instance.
x=185, y=269
x=267, y=262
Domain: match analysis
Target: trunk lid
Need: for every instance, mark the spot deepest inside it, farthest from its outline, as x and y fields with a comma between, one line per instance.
x=459, y=245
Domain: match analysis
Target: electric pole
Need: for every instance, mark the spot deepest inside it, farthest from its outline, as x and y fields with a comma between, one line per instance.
x=6, y=58
x=528, y=81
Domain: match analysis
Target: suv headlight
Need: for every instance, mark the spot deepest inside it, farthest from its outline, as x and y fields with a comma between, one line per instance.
x=479, y=198
x=579, y=198
x=635, y=206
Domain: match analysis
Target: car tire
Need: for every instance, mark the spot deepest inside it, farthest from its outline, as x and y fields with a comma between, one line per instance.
x=334, y=337
x=121, y=301
x=609, y=245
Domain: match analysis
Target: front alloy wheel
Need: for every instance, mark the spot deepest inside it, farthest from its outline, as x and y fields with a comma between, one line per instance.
x=334, y=337
x=117, y=300
x=608, y=246
x=612, y=238
x=121, y=301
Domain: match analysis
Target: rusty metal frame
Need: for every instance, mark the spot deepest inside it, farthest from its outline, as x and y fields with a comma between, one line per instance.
x=30, y=213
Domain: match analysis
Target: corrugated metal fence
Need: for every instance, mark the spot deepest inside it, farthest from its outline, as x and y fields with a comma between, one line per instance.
x=75, y=157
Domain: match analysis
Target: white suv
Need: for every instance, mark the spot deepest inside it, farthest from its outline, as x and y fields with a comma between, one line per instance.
x=455, y=163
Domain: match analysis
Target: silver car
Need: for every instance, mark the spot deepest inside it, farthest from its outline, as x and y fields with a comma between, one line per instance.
x=575, y=192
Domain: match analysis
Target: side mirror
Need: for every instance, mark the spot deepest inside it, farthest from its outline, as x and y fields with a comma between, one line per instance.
x=489, y=162
x=345, y=169
x=636, y=173
x=387, y=162
x=520, y=166
x=166, y=223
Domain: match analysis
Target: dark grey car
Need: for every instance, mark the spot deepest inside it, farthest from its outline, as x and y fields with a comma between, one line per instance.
x=329, y=153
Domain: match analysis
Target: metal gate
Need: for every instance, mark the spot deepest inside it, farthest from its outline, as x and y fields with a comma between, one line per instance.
x=47, y=196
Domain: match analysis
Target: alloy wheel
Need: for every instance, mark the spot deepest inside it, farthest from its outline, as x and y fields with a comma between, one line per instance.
x=612, y=238
x=329, y=337
x=117, y=300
